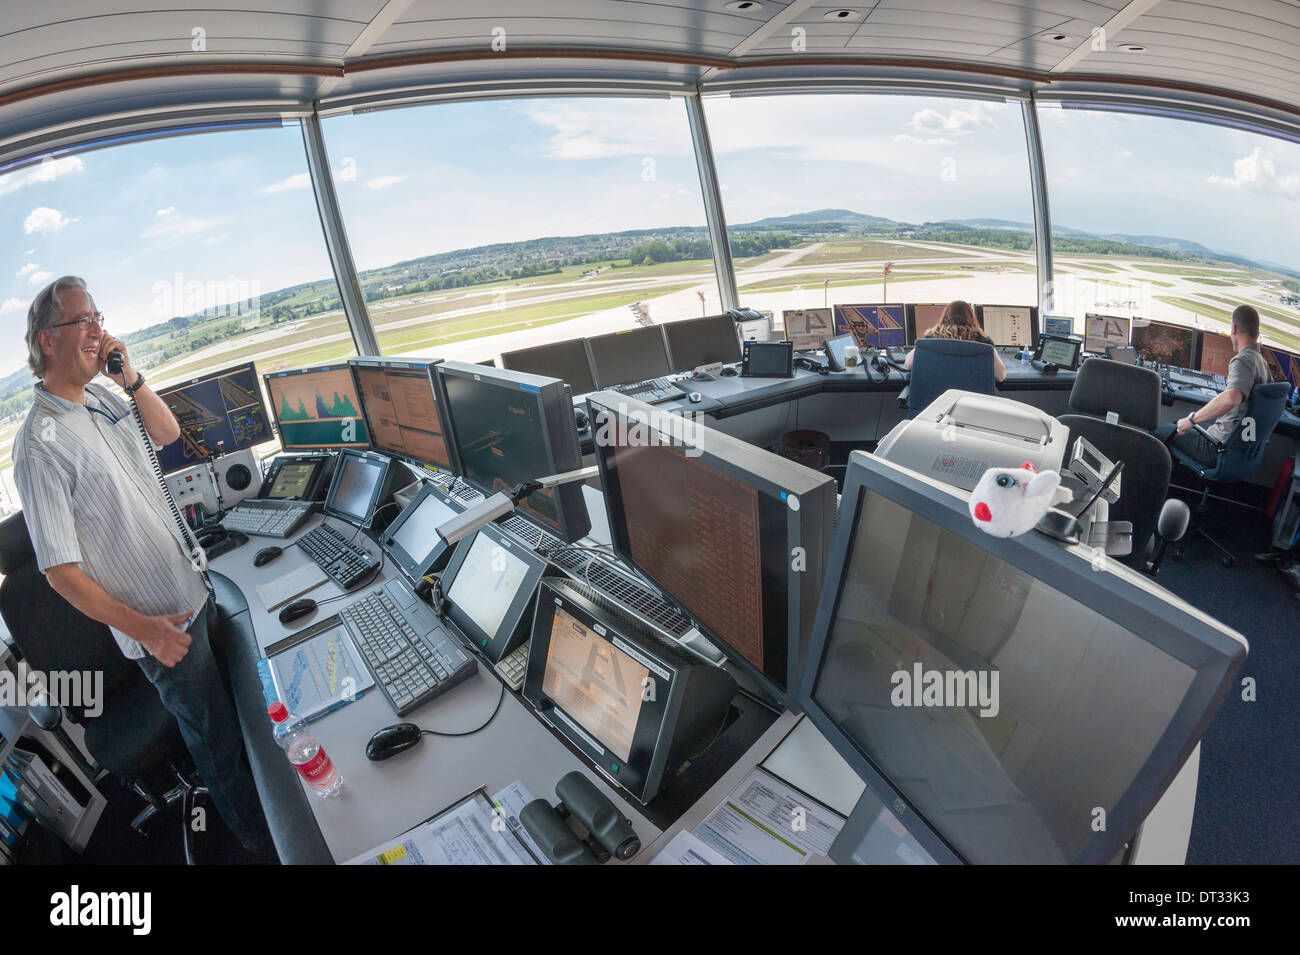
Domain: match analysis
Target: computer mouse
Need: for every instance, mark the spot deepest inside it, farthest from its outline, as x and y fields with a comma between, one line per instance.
x=392, y=740
x=297, y=610
x=695, y=397
x=729, y=372
x=266, y=555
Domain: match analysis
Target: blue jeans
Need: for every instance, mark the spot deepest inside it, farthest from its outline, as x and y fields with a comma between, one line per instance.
x=1192, y=443
x=193, y=692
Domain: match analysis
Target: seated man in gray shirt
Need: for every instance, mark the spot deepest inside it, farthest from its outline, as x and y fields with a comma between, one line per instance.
x=106, y=543
x=1247, y=369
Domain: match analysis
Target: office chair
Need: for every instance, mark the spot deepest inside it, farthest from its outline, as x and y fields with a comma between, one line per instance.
x=1238, y=458
x=1104, y=390
x=134, y=737
x=943, y=363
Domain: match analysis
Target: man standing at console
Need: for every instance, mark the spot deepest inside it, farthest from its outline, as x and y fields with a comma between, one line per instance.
x=1247, y=369
x=106, y=542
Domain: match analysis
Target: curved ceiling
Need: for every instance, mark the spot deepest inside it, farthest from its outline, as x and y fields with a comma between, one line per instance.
x=72, y=70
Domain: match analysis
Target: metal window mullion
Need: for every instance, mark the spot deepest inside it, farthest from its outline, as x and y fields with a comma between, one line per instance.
x=1042, y=215
x=336, y=238
x=722, y=264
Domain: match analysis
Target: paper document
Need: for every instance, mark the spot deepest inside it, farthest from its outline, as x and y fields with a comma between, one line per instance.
x=293, y=584
x=511, y=801
x=686, y=848
x=319, y=671
x=765, y=821
x=469, y=833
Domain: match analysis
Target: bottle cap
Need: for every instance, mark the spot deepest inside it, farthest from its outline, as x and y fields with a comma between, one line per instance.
x=278, y=712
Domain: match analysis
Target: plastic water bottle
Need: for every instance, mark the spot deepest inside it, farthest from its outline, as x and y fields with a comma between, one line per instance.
x=306, y=754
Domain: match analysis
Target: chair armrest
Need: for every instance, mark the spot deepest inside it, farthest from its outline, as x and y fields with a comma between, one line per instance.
x=1219, y=446
x=902, y=395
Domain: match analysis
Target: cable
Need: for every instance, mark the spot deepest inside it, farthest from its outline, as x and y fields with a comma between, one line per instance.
x=353, y=538
x=379, y=569
x=478, y=729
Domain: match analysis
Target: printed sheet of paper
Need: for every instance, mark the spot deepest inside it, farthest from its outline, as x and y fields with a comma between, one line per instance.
x=765, y=821
x=465, y=834
x=686, y=848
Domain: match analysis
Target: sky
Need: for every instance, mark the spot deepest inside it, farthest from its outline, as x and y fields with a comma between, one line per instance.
x=163, y=227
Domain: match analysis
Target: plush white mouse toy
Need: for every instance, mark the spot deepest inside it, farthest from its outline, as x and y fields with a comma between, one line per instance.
x=1007, y=502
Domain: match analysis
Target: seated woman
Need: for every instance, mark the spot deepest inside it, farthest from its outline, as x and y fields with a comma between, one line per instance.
x=959, y=322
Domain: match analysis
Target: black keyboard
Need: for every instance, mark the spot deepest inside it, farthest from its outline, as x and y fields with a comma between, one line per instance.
x=413, y=660
x=652, y=392
x=344, y=563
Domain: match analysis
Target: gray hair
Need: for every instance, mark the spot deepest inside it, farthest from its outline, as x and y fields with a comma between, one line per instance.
x=47, y=308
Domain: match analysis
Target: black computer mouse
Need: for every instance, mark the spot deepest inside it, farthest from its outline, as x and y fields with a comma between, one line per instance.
x=728, y=372
x=297, y=610
x=266, y=555
x=392, y=740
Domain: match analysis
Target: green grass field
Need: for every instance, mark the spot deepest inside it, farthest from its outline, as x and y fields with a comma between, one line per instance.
x=812, y=283
x=1283, y=334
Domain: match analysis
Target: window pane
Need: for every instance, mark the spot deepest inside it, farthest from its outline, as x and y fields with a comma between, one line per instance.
x=851, y=182
x=486, y=227
x=201, y=251
x=1173, y=220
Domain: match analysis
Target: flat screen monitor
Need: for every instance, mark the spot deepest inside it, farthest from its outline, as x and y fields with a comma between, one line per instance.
x=401, y=409
x=873, y=326
x=702, y=341
x=566, y=361
x=359, y=481
x=997, y=693
x=1010, y=325
x=807, y=328
x=636, y=706
x=490, y=583
x=1063, y=352
x=1105, y=331
x=1216, y=352
x=508, y=427
x=412, y=540
x=1124, y=353
x=1165, y=344
x=714, y=522
x=921, y=318
x=218, y=413
x=1283, y=364
x=1060, y=325
x=637, y=354
x=317, y=408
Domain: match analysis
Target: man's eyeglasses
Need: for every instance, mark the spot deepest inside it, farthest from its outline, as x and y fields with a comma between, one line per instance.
x=84, y=322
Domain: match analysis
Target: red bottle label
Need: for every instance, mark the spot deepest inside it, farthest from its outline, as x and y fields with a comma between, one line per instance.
x=315, y=767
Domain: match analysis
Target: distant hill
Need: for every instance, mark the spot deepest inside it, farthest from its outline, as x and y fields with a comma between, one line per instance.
x=820, y=217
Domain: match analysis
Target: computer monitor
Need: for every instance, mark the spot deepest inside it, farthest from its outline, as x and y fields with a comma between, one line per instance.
x=412, y=540
x=317, y=408
x=566, y=361
x=637, y=354
x=873, y=326
x=702, y=341
x=1060, y=325
x=489, y=584
x=622, y=695
x=1010, y=325
x=1105, y=331
x=1002, y=696
x=218, y=413
x=734, y=534
x=1059, y=350
x=1284, y=365
x=508, y=427
x=1216, y=352
x=1124, y=353
x=921, y=318
x=361, y=481
x=299, y=477
x=807, y=328
x=401, y=409
x=1165, y=344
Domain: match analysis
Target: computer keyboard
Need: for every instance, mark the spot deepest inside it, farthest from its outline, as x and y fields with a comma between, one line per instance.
x=266, y=517
x=344, y=562
x=513, y=664
x=413, y=660
x=652, y=392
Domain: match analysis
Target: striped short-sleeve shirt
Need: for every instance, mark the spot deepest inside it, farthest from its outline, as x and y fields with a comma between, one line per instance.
x=90, y=497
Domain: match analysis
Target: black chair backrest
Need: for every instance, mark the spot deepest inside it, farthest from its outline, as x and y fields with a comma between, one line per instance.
x=943, y=363
x=1131, y=392
x=1245, y=446
x=1144, y=482
x=48, y=631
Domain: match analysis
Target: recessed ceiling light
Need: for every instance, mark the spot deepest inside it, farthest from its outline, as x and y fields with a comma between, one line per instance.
x=1058, y=37
x=843, y=15
x=744, y=6
x=1132, y=48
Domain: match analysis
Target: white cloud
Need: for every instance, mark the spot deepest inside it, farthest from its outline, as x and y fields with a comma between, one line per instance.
x=29, y=267
x=177, y=227
x=907, y=139
x=46, y=171
x=957, y=121
x=165, y=212
x=45, y=219
x=604, y=129
x=12, y=305
x=383, y=182
x=217, y=239
x=36, y=278
x=299, y=180
x=30, y=252
x=1258, y=173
